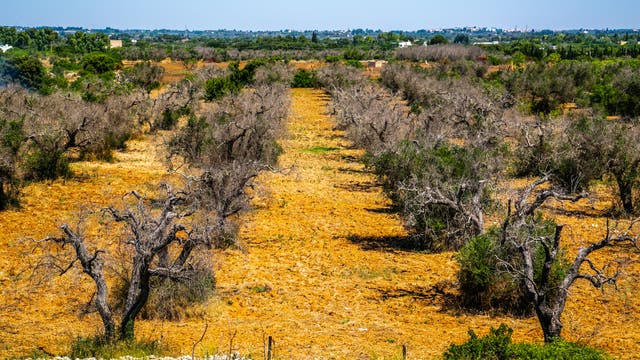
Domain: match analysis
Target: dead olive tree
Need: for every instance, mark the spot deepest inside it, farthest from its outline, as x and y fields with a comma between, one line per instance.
x=371, y=118
x=339, y=76
x=55, y=124
x=163, y=235
x=547, y=296
x=163, y=111
x=145, y=75
x=450, y=52
x=237, y=128
x=576, y=151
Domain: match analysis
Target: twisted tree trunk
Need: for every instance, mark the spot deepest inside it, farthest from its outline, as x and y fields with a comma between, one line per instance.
x=137, y=296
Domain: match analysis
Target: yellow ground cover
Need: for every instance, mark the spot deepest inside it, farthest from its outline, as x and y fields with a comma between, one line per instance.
x=317, y=268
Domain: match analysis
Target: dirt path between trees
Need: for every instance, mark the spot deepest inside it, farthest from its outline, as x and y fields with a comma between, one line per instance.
x=322, y=273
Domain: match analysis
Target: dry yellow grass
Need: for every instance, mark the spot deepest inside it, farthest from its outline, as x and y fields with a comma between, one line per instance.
x=315, y=272
x=34, y=314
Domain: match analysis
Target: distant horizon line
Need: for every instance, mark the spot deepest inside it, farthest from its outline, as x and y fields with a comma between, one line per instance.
x=466, y=28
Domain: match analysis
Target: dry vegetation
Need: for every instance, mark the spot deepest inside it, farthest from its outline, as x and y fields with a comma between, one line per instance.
x=321, y=266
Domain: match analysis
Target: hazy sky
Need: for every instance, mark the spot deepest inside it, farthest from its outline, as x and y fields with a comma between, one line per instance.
x=321, y=14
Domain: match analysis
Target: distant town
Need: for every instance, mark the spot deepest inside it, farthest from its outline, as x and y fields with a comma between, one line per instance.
x=479, y=33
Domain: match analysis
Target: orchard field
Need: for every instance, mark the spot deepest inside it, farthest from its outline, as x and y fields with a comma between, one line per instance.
x=345, y=208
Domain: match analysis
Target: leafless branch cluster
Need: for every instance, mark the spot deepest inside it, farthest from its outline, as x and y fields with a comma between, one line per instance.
x=372, y=118
x=578, y=150
x=338, y=76
x=240, y=127
x=63, y=121
x=163, y=111
x=451, y=107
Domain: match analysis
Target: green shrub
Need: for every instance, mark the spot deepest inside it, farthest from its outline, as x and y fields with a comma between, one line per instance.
x=353, y=54
x=246, y=75
x=45, y=164
x=28, y=71
x=560, y=350
x=484, y=282
x=483, y=286
x=332, y=59
x=99, y=348
x=498, y=345
x=170, y=117
x=355, y=63
x=305, y=79
x=216, y=88
x=100, y=63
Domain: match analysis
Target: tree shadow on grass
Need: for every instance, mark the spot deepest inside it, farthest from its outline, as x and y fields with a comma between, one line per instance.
x=384, y=210
x=358, y=186
x=387, y=243
x=441, y=294
x=446, y=295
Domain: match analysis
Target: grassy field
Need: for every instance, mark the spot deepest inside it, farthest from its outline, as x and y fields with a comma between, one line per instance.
x=321, y=266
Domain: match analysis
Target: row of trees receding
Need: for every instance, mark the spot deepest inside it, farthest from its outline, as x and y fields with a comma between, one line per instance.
x=160, y=259
x=443, y=142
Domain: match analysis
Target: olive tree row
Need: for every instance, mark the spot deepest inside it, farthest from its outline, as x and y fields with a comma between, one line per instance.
x=437, y=156
x=165, y=236
x=41, y=133
x=578, y=150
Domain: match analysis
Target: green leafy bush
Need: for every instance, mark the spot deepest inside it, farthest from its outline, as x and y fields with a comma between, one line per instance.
x=353, y=54
x=100, y=63
x=217, y=88
x=305, y=79
x=497, y=345
x=354, y=63
x=486, y=284
x=170, y=117
x=43, y=164
x=28, y=71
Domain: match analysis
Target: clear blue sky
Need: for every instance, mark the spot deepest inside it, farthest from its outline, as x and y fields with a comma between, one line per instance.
x=321, y=14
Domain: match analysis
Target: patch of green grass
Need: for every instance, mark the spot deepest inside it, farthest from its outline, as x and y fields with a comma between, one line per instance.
x=367, y=273
x=97, y=347
x=319, y=149
x=259, y=289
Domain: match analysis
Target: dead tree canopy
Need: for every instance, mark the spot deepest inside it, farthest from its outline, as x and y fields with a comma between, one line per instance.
x=163, y=235
x=548, y=297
